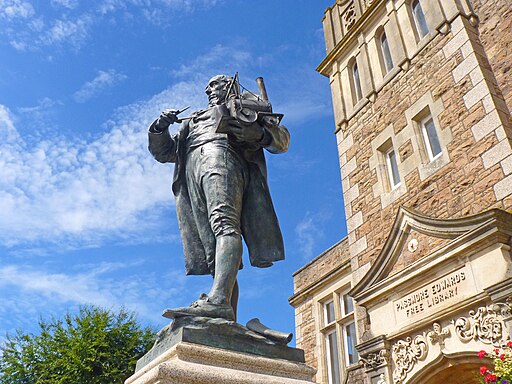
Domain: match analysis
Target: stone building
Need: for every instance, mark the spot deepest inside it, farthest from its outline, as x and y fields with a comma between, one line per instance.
x=422, y=91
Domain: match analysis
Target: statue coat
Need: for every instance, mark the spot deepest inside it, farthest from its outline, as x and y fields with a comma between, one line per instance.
x=260, y=227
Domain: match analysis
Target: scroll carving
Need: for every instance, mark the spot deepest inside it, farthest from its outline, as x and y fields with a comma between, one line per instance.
x=374, y=360
x=405, y=354
x=485, y=324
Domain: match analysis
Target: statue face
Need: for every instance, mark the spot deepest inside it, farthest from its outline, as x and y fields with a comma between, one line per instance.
x=216, y=90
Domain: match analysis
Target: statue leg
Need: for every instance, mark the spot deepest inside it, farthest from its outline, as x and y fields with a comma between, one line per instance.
x=228, y=254
x=223, y=296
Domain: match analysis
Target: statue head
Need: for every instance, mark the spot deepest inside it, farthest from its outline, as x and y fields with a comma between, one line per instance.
x=217, y=89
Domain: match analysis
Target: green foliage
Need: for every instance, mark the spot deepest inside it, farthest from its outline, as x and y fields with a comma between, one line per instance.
x=96, y=346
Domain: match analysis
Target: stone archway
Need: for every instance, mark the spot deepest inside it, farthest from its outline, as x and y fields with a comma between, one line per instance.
x=458, y=368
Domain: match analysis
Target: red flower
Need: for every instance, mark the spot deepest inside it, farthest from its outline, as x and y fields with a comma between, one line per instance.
x=502, y=356
x=497, y=351
x=509, y=344
x=482, y=354
x=490, y=378
x=483, y=370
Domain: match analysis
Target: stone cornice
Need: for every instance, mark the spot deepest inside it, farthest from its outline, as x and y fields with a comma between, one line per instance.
x=304, y=267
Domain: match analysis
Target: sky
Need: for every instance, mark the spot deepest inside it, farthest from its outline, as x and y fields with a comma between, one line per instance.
x=87, y=216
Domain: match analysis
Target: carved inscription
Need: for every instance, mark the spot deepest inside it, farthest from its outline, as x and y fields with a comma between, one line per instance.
x=434, y=296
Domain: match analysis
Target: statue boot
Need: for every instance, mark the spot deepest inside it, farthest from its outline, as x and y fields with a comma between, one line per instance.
x=202, y=308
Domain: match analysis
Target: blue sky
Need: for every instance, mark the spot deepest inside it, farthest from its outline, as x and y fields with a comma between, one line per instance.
x=86, y=215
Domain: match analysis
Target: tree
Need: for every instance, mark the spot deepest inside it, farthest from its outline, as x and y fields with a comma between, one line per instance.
x=95, y=346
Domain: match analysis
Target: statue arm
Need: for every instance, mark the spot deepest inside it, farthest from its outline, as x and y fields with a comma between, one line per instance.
x=162, y=145
x=276, y=138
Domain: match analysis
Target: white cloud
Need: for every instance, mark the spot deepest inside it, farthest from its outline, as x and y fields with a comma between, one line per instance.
x=309, y=231
x=70, y=4
x=152, y=9
x=309, y=100
x=109, y=285
x=7, y=129
x=73, y=192
x=220, y=59
x=29, y=28
x=13, y=9
x=304, y=108
x=42, y=105
x=102, y=81
x=73, y=31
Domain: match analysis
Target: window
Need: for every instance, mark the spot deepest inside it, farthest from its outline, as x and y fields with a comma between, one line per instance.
x=419, y=18
x=432, y=144
x=356, y=83
x=387, y=60
x=349, y=329
x=349, y=338
x=339, y=333
x=392, y=167
x=329, y=312
x=333, y=360
x=347, y=304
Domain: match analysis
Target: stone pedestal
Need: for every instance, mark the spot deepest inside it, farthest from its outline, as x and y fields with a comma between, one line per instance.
x=206, y=351
x=187, y=363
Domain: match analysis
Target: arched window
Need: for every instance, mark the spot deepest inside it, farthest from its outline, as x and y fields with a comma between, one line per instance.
x=356, y=83
x=419, y=18
x=387, y=60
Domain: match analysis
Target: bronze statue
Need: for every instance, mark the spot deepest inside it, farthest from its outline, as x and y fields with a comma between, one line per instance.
x=220, y=185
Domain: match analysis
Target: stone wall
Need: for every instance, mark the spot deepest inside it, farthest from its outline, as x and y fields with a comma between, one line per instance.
x=495, y=26
x=318, y=268
x=307, y=281
x=454, y=69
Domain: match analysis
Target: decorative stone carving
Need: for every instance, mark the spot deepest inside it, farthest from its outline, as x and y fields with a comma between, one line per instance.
x=374, y=360
x=412, y=246
x=485, y=324
x=438, y=334
x=405, y=354
x=368, y=3
x=349, y=17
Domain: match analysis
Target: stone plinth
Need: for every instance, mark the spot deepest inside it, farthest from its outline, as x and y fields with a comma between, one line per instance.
x=215, y=351
x=187, y=363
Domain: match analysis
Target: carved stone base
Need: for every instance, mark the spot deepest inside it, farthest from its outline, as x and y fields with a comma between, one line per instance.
x=187, y=363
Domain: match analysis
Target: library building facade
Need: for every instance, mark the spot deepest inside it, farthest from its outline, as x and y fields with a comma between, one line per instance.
x=422, y=93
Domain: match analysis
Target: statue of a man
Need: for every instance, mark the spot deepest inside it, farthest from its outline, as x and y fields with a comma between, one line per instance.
x=220, y=185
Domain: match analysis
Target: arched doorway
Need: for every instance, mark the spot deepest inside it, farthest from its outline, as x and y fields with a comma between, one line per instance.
x=462, y=367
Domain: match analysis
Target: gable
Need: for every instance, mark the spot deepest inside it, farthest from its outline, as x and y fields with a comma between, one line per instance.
x=416, y=240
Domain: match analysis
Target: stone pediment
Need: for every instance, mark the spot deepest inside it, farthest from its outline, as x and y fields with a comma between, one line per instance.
x=418, y=242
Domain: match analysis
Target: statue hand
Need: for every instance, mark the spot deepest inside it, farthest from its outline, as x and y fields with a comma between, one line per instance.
x=252, y=133
x=167, y=118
